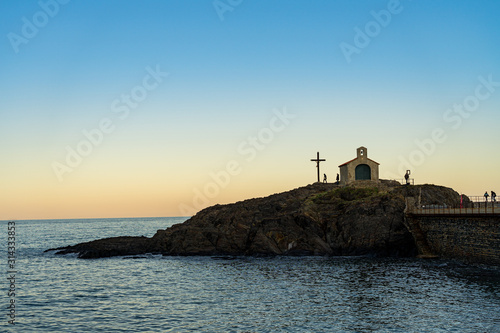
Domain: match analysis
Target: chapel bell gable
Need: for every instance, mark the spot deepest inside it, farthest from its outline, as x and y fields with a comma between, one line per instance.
x=362, y=153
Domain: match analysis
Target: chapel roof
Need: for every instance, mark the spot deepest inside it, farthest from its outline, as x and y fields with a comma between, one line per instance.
x=354, y=159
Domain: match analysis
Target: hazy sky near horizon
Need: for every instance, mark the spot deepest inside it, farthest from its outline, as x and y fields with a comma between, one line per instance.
x=161, y=108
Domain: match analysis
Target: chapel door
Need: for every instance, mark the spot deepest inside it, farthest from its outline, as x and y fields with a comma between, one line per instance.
x=363, y=172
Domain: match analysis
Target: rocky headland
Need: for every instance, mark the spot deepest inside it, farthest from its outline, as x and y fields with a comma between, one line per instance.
x=366, y=218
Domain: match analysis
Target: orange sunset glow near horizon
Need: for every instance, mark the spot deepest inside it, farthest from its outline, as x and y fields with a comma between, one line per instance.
x=113, y=109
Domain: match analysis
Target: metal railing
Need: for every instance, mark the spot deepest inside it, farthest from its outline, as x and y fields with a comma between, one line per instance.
x=411, y=181
x=481, y=199
x=468, y=208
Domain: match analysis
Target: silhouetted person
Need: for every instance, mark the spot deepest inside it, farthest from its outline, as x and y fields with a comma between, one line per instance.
x=324, y=178
x=338, y=178
x=493, y=196
x=407, y=177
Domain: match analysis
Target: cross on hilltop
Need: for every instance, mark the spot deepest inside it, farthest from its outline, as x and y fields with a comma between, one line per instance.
x=318, y=160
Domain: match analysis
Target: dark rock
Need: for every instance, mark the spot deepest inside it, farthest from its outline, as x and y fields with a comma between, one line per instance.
x=108, y=247
x=320, y=219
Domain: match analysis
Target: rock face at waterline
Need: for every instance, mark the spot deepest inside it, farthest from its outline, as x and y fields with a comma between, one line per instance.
x=321, y=219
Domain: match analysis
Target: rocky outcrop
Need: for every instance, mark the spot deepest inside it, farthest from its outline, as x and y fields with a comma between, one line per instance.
x=109, y=247
x=314, y=220
x=320, y=219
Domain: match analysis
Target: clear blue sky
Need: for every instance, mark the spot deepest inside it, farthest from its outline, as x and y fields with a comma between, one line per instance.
x=67, y=65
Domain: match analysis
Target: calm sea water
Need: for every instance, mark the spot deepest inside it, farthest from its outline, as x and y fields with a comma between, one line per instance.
x=209, y=294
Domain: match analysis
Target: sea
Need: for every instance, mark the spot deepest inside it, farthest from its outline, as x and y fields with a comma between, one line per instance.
x=153, y=293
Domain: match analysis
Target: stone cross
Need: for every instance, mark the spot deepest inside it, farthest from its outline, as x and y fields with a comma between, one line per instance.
x=317, y=160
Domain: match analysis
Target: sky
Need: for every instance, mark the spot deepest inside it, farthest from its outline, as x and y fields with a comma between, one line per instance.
x=162, y=108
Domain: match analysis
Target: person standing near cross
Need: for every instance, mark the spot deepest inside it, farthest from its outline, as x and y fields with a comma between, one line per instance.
x=317, y=160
